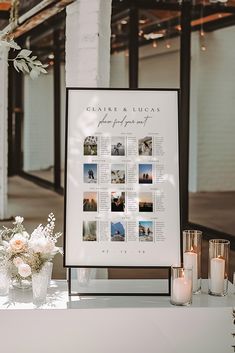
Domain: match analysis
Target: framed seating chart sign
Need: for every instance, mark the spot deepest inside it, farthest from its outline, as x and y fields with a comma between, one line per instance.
x=122, y=178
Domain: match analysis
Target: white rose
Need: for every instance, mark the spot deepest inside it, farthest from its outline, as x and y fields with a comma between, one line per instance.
x=18, y=261
x=24, y=270
x=18, y=243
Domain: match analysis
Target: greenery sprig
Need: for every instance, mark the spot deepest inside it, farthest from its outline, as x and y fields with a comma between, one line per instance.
x=24, y=61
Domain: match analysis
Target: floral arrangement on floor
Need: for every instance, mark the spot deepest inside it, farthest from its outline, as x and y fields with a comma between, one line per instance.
x=25, y=254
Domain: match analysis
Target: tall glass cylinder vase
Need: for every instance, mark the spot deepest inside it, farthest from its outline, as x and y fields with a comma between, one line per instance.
x=218, y=266
x=192, y=249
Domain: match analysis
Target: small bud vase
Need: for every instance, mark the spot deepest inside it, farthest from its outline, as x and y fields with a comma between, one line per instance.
x=40, y=284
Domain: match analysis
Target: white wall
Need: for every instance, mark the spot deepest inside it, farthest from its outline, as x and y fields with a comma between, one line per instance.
x=158, y=67
x=3, y=131
x=38, y=122
x=212, y=120
x=216, y=117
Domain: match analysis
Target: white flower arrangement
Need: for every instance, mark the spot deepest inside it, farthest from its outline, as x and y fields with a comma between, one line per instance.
x=26, y=254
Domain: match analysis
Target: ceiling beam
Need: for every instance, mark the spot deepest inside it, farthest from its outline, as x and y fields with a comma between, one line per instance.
x=146, y=4
x=37, y=15
x=220, y=23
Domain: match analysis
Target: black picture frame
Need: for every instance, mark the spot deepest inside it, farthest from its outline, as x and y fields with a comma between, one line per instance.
x=71, y=293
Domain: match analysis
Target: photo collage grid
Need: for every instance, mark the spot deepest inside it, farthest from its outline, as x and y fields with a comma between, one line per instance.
x=119, y=201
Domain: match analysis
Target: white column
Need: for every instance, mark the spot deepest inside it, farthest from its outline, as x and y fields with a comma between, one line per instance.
x=88, y=33
x=3, y=131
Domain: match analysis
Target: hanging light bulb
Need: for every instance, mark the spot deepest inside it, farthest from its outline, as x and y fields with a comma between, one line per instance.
x=168, y=45
x=202, y=33
x=203, y=47
x=179, y=28
x=154, y=44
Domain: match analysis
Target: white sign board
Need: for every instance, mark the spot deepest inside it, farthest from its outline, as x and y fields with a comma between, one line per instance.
x=122, y=178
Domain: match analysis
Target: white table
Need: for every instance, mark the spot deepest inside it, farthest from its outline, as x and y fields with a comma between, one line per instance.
x=115, y=324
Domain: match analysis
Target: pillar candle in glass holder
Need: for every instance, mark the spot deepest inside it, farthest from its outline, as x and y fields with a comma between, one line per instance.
x=217, y=274
x=218, y=266
x=181, y=282
x=190, y=261
x=192, y=255
x=182, y=291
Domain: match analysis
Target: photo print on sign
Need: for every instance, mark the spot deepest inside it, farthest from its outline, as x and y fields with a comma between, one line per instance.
x=145, y=202
x=145, y=174
x=145, y=231
x=90, y=146
x=90, y=201
x=90, y=173
x=89, y=231
x=145, y=146
x=118, y=146
x=117, y=231
x=118, y=201
x=118, y=174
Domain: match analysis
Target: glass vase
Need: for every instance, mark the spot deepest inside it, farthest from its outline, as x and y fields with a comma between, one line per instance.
x=4, y=281
x=40, y=284
x=192, y=255
x=84, y=276
x=181, y=286
x=218, y=266
x=49, y=266
x=22, y=283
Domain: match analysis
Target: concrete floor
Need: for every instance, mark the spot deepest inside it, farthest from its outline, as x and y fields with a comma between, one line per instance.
x=35, y=203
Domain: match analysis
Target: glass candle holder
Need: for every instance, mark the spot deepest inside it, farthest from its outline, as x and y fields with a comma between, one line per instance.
x=4, y=281
x=218, y=266
x=192, y=240
x=181, y=286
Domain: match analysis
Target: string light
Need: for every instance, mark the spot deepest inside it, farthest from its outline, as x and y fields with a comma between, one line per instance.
x=167, y=34
x=202, y=33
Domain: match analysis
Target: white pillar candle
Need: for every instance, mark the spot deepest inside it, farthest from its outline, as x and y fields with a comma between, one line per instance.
x=181, y=290
x=217, y=275
x=190, y=261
